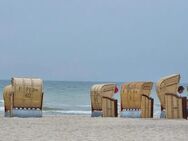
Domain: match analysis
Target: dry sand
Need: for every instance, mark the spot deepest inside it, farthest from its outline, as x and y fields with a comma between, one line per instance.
x=85, y=128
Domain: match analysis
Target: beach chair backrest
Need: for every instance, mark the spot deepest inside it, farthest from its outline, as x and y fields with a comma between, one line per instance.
x=98, y=91
x=168, y=84
x=28, y=93
x=131, y=94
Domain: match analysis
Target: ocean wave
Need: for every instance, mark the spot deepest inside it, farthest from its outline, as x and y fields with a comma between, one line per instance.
x=65, y=106
x=83, y=105
x=1, y=101
x=45, y=108
x=157, y=114
x=158, y=104
x=69, y=112
x=1, y=109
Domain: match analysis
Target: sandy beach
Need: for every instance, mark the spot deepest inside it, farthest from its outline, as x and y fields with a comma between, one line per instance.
x=77, y=128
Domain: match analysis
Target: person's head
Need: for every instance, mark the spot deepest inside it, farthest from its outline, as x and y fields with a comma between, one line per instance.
x=180, y=89
x=116, y=89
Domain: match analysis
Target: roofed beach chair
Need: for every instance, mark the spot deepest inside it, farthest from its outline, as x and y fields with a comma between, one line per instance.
x=136, y=101
x=102, y=103
x=172, y=106
x=24, y=97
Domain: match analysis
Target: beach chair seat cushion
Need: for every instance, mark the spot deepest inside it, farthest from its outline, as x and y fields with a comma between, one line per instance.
x=130, y=113
x=96, y=114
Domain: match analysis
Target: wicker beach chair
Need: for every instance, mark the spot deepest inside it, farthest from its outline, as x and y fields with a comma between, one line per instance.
x=24, y=97
x=102, y=103
x=135, y=100
x=172, y=106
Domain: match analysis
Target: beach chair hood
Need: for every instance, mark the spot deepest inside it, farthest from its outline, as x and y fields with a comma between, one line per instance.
x=23, y=93
x=131, y=94
x=168, y=84
x=98, y=91
x=27, y=92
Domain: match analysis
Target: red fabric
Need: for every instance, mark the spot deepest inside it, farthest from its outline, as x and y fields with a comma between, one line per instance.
x=116, y=89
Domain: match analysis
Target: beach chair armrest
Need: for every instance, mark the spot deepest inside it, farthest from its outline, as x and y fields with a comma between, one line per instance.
x=176, y=106
x=109, y=107
x=147, y=106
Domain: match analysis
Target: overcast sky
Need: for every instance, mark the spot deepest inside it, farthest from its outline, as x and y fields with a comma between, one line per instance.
x=94, y=40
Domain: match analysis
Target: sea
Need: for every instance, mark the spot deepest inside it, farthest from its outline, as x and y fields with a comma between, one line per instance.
x=72, y=97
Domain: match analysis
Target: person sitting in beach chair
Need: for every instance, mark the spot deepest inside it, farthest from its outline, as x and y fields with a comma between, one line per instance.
x=24, y=97
x=135, y=100
x=181, y=91
x=102, y=101
x=182, y=94
x=172, y=104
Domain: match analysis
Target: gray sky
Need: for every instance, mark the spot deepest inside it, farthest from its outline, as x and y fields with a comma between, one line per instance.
x=94, y=40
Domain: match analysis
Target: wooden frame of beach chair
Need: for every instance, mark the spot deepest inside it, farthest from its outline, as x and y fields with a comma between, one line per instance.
x=135, y=96
x=176, y=107
x=171, y=104
x=101, y=99
x=109, y=107
x=23, y=94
